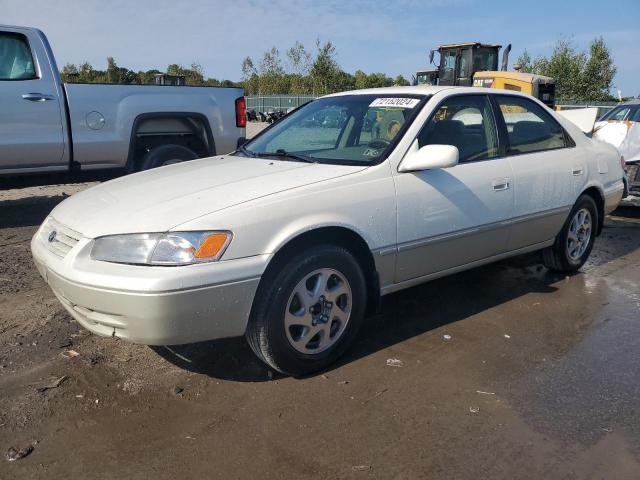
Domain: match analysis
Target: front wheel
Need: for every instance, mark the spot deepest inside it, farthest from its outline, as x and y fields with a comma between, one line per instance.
x=573, y=244
x=307, y=313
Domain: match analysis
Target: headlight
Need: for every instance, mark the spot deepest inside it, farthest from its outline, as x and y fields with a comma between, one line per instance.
x=172, y=248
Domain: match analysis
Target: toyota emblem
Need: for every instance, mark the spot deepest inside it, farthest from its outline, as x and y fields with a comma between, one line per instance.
x=52, y=236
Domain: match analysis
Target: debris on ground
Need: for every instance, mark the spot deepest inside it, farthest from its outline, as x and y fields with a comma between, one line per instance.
x=70, y=353
x=361, y=468
x=177, y=390
x=474, y=409
x=394, y=362
x=507, y=336
x=485, y=393
x=343, y=382
x=18, y=453
x=446, y=337
x=54, y=383
x=375, y=396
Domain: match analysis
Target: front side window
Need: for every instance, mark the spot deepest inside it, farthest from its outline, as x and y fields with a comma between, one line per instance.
x=346, y=129
x=16, y=62
x=466, y=122
x=529, y=127
x=618, y=114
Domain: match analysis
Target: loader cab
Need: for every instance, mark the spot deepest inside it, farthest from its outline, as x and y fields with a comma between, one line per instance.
x=427, y=77
x=459, y=62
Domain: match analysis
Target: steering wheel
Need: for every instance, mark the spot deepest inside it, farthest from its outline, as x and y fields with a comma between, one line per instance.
x=379, y=144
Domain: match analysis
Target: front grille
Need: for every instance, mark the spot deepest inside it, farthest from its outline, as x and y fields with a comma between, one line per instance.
x=62, y=241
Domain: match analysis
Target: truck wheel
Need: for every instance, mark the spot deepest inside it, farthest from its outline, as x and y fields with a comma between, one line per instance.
x=306, y=314
x=575, y=241
x=166, y=155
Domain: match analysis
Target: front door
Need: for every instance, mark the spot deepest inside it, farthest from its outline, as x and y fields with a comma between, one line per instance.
x=31, y=132
x=455, y=216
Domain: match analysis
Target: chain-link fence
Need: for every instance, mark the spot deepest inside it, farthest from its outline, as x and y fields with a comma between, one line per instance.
x=603, y=107
x=270, y=103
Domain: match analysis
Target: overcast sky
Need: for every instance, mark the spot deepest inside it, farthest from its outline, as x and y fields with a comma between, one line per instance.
x=390, y=36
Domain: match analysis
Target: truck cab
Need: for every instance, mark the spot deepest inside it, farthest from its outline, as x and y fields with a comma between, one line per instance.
x=459, y=62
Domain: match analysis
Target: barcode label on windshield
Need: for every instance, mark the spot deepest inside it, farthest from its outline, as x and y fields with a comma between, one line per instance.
x=395, y=102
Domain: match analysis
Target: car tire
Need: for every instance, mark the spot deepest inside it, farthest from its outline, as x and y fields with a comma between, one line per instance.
x=166, y=155
x=573, y=244
x=308, y=311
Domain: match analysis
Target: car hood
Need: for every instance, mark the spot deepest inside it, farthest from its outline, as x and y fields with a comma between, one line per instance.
x=160, y=199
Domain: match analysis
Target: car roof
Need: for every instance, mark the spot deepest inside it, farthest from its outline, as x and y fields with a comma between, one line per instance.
x=426, y=91
x=414, y=90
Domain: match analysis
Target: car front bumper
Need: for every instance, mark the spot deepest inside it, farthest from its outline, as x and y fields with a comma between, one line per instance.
x=152, y=305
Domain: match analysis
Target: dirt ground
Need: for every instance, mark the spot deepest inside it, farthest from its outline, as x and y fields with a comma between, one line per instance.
x=506, y=371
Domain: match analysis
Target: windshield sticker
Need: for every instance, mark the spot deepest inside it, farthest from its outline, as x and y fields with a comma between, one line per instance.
x=395, y=102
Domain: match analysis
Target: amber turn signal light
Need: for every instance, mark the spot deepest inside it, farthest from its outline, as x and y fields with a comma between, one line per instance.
x=212, y=245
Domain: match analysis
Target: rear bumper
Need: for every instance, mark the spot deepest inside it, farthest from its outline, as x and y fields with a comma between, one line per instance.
x=612, y=196
x=144, y=315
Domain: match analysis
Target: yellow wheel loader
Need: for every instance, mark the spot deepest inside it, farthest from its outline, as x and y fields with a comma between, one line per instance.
x=476, y=64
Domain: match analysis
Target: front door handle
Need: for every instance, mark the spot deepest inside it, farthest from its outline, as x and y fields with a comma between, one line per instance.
x=37, y=97
x=500, y=184
x=577, y=171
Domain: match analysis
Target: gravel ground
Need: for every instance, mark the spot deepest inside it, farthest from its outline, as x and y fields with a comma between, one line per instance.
x=505, y=371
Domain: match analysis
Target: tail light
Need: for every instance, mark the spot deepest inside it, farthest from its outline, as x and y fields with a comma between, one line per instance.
x=241, y=112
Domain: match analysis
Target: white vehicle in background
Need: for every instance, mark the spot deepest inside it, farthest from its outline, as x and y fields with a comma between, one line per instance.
x=293, y=238
x=621, y=128
x=48, y=126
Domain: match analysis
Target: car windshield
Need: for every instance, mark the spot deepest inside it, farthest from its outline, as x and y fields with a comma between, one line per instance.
x=619, y=113
x=344, y=130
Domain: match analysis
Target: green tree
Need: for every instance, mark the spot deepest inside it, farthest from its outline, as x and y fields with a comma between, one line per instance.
x=299, y=59
x=324, y=67
x=578, y=76
x=598, y=73
x=401, y=81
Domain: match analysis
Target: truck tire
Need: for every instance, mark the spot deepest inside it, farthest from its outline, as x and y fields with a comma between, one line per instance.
x=575, y=241
x=166, y=155
x=308, y=312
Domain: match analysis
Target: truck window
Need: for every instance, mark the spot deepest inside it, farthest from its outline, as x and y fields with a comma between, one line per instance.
x=16, y=62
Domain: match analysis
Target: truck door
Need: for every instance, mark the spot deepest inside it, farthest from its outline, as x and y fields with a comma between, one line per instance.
x=31, y=122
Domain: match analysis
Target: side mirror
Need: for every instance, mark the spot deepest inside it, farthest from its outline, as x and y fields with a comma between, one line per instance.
x=429, y=157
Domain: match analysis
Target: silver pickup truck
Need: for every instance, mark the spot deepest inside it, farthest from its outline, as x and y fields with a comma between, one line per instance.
x=46, y=125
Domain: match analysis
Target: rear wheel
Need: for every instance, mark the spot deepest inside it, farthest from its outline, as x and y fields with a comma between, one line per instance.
x=307, y=313
x=575, y=241
x=166, y=155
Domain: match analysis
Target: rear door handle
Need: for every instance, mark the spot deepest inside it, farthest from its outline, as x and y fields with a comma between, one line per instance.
x=500, y=184
x=37, y=97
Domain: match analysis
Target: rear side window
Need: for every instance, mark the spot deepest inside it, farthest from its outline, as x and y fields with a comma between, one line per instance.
x=529, y=127
x=466, y=122
x=16, y=62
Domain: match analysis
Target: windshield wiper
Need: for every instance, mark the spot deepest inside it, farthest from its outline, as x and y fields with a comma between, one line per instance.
x=248, y=153
x=281, y=153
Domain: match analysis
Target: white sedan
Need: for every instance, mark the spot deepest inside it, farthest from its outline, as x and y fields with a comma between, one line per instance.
x=293, y=238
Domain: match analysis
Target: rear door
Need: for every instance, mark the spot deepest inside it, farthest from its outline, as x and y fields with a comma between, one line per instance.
x=455, y=216
x=30, y=105
x=548, y=170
